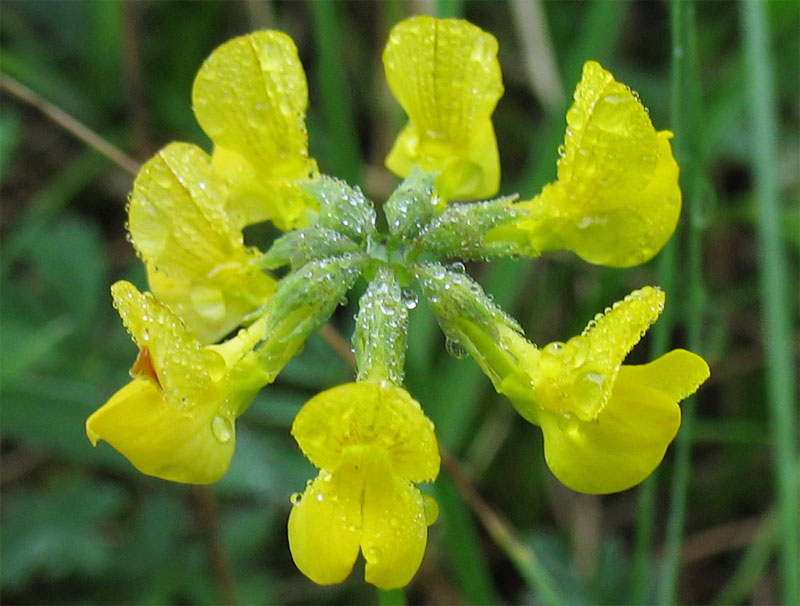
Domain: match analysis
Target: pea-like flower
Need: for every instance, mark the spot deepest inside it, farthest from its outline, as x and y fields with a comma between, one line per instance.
x=616, y=201
x=606, y=425
x=250, y=97
x=196, y=259
x=371, y=442
x=445, y=74
x=175, y=419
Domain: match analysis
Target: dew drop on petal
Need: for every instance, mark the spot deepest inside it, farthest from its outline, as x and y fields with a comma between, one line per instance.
x=431, y=509
x=222, y=428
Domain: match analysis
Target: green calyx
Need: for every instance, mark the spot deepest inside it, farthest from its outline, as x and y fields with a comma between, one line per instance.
x=343, y=243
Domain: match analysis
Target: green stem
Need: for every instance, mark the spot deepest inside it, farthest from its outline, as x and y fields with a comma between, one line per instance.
x=648, y=491
x=688, y=150
x=392, y=597
x=778, y=329
x=345, y=160
x=752, y=565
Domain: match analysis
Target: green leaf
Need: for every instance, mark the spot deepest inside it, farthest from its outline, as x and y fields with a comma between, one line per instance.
x=71, y=259
x=56, y=532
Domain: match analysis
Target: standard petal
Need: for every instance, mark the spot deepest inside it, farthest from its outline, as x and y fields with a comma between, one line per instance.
x=621, y=447
x=366, y=413
x=163, y=438
x=395, y=530
x=576, y=377
x=250, y=97
x=196, y=260
x=617, y=199
x=325, y=525
x=445, y=74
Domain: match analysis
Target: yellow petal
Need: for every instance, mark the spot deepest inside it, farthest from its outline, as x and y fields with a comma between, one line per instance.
x=576, y=377
x=364, y=413
x=181, y=364
x=445, y=74
x=255, y=197
x=617, y=200
x=196, y=260
x=677, y=374
x=250, y=97
x=630, y=436
x=165, y=438
x=395, y=530
x=618, y=450
x=325, y=525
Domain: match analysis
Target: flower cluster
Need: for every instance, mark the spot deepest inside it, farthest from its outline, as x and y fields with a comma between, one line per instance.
x=216, y=326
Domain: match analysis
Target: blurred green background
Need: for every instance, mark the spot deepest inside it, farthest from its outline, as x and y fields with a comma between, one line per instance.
x=714, y=524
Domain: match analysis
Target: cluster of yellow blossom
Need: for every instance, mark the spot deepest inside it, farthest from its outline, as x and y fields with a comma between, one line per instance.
x=217, y=327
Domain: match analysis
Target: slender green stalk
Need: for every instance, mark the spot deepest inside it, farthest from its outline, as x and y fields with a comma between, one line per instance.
x=449, y=8
x=346, y=161
x=646, y=514
x=688, y=150
x=778, y=330
x=469, y=562
x=752, y=565
x=521, y=555
x=392, y=597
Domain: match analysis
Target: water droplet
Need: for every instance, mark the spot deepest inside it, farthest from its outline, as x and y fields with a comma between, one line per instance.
x=455, y=349
x=410, y=299
x=296, y=498
x=431, y=509
x=222, y=428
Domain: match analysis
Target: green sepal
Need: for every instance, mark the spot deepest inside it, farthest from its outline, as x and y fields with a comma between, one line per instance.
x=342, y=208
x=460, y=231
x=454, y=295
x=298, y=247
x=304, y=301
x=381, y=330
x=474, y=323
x=413, y=204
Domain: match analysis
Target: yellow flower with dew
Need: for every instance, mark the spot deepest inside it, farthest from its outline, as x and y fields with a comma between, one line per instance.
x=196, y=260
x=445, y=74
x=372, y=442
x=250, y=98
x=175, y=419
x=616, y=201
x=606, y=425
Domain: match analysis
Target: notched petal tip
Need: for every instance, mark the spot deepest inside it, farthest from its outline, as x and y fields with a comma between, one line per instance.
x=325, y=527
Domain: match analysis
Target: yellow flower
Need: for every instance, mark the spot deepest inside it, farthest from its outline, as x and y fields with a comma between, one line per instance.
x=606, y=425
x=445, y=74
x=370, y=441
x=250, y=97
x=196, y=260
x=175, y=419
x=616, y=201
